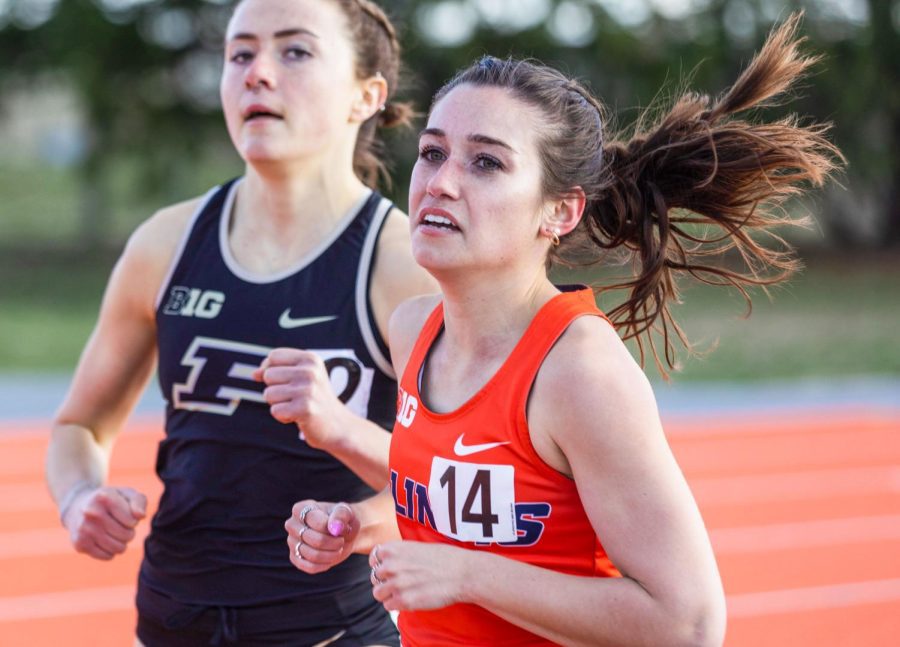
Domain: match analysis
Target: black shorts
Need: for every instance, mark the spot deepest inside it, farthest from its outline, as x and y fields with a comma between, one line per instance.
x=351, y=619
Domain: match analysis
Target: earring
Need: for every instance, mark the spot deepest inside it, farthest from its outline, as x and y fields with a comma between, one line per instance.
x=553, y=235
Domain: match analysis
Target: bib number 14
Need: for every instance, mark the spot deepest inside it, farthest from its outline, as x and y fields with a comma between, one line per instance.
x=472, y=501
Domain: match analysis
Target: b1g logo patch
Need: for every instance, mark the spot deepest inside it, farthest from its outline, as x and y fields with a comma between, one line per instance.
x=194, y=302
x=407, y=405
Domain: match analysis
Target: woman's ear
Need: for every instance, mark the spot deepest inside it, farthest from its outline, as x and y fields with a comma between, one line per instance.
x=566, y=212
x=371, y=99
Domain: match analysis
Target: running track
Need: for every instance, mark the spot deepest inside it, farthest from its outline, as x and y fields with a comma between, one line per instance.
x=803, y=507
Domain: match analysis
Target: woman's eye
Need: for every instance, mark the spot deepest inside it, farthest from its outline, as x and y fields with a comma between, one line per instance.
x=432, y=154
x=241, y=57
x=488, y=163
x=295, y=53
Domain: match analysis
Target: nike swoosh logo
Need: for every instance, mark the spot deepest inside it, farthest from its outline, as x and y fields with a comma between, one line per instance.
x=465, y=450
x=286, y=321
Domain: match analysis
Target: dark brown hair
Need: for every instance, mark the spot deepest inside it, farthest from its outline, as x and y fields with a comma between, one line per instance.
x=658, y=194
x=377, y=51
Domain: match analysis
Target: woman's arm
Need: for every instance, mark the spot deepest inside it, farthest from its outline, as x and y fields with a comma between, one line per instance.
x=330, y=532
x=592, y=415
x=112, y=372
x=299, y=391
x=321, y=534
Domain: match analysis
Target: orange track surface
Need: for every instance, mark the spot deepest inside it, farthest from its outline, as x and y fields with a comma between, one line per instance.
x=803, y=511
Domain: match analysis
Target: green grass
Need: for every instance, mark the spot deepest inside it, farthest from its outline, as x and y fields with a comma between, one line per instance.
x=835, y=319
x=47, y=310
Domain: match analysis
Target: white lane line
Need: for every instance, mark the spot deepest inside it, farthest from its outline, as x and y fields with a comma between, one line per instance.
x=66, y=603
x=807, y=534
x=815, y=598
x=707, y=426
x=796, y=486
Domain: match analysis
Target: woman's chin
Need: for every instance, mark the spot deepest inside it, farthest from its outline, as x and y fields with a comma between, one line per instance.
x=256, y=153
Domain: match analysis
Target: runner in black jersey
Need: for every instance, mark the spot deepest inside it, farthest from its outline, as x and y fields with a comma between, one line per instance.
x=265, y=303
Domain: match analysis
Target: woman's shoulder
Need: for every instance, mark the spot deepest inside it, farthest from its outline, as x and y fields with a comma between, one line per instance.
x=406, y=323
x=166, y=227
x=411, y=314
x=591, y=353
x=152, y=246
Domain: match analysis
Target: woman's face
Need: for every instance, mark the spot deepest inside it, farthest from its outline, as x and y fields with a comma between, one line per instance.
x=475, y=194
x=289, y=79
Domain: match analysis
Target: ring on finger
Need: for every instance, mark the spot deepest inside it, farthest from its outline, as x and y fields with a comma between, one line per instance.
x=375, y=556
x=300, y=542
x=305, y=511
x=375, y=575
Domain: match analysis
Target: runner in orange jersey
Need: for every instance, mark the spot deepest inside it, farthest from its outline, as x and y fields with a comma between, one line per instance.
x=537, y=498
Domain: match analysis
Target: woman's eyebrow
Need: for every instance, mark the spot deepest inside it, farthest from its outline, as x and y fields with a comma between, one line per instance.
x=282, y=33
x=477, y=138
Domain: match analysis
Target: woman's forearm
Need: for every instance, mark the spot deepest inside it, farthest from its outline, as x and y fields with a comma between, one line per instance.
x=578, y=610
x=74, y=458
x=377, y=521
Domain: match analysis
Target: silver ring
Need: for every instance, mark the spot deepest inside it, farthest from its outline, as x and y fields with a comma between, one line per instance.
x=300, y=542
x=304, y=512
x=375, y=555
x=375, y=576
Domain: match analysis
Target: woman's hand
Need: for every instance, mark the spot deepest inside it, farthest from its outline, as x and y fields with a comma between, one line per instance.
x=320, y=534
x=410, y=575
x=101, y=521
x=298, y=390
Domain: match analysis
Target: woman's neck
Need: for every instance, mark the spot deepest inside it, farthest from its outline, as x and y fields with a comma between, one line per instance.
x=299, y=197
x=487, y=317
x=280, y=216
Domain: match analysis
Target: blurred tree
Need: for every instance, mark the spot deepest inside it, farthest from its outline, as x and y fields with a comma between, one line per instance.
x=146, y=73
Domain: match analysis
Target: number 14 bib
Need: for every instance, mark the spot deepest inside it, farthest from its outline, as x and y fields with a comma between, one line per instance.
x=473, y=501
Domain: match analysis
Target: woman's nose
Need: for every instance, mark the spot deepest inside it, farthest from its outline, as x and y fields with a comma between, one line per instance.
x=261, y=72
x=444, y=181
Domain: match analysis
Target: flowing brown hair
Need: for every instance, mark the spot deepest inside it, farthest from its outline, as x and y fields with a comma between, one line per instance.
x=658, y=193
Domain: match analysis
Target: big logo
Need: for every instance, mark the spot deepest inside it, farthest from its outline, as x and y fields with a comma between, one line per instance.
x=407, y=405
x=221, y=376
x=192, y=302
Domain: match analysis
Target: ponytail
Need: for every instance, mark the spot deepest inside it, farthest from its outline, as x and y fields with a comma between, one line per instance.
x=703, y=183
x=678, y=196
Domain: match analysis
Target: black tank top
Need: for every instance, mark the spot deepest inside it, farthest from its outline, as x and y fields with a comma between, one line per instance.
x=232, y=472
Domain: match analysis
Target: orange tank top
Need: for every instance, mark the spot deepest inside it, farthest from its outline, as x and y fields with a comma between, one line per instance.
x=471, y=478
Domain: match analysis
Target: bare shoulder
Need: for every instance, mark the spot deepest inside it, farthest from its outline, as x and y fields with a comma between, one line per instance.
x=151, y=250
x=396, y=276
x=406, y=324
x=590, y=382
x=161, y=233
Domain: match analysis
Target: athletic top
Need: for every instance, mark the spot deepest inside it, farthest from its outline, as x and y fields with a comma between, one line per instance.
x=231, y=471
x=472, y=478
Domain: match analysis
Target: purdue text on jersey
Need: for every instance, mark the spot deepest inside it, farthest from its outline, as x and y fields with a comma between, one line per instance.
x=220, y=376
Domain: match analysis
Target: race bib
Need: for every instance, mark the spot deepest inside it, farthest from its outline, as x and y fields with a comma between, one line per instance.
x=472, y=501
